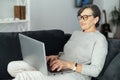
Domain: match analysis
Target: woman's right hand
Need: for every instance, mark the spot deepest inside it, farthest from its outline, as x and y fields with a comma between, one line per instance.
x=51, y=58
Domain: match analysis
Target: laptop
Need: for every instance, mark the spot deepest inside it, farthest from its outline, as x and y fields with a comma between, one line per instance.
x=33, y=53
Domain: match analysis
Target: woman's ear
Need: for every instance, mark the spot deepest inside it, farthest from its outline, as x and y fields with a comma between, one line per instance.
x=96, y=19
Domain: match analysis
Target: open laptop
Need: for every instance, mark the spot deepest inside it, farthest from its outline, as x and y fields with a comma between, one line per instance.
x=33, y=53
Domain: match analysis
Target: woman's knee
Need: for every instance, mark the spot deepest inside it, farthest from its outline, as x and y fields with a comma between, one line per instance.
x=11, y=68
x=15, y=67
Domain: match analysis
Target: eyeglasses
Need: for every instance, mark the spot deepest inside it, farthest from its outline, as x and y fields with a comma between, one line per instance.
x=84, y=17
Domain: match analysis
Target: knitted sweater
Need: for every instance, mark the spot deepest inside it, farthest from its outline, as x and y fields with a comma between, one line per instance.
x=88, y=49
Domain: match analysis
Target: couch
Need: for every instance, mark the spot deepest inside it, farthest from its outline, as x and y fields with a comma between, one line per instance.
x=54, y=41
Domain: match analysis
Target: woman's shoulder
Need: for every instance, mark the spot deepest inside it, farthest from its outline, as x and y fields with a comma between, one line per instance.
x=100, y=36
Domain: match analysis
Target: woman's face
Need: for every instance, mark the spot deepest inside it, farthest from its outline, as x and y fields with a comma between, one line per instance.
x=87, y=20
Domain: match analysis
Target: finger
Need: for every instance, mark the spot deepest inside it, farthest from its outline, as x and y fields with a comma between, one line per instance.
x=52, y=59
x=54, y=67
x=49, y=58
x=59, y=68
x=53, y=62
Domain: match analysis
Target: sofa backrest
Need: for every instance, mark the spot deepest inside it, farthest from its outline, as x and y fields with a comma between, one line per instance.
x=10, y=46
x=53, y=39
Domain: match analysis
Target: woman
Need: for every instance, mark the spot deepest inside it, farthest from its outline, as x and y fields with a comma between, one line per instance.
x=84, y=53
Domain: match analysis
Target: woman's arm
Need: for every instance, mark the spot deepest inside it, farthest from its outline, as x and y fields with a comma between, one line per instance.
x=74, y=67
x=60, y=65
x=97, y=60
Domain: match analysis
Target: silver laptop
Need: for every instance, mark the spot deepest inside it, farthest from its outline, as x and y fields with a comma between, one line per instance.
x=33, y=53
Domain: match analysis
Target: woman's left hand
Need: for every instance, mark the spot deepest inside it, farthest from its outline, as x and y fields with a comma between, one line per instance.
x=59, y=65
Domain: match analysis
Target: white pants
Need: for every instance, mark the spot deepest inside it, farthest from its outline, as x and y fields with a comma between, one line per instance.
x=16, y=67
x=23, y=71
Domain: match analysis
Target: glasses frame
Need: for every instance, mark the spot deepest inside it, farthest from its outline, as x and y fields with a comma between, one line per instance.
x=84, y=17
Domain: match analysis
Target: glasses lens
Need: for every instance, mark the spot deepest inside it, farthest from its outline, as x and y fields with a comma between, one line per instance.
x=84, y=17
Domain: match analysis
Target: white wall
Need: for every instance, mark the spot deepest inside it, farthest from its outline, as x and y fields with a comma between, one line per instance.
x=61, y=14
x=54, y=14
x=6, y=9
x=109, y=6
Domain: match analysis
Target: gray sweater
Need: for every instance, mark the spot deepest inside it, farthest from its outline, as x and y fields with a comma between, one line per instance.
x=89, y=49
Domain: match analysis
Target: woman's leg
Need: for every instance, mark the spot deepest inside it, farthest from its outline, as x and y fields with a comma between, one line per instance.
x=16, y=67
x=31, y=75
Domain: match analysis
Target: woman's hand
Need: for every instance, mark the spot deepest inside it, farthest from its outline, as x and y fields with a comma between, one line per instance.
x=51, y=58
x=60, y=64
x=56, y=64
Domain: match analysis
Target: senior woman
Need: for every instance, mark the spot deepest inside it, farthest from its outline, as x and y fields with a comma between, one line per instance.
x=84, y=53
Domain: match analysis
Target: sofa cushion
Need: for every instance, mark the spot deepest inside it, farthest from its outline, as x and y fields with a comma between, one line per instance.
x=113, y=50
x=9, y=51
x=113, y=70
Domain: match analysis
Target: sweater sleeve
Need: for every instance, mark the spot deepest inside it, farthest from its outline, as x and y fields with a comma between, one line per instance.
x=98, y=58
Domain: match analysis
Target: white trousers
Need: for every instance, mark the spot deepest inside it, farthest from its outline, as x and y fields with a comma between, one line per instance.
x=16, y=67
x=23, y=71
